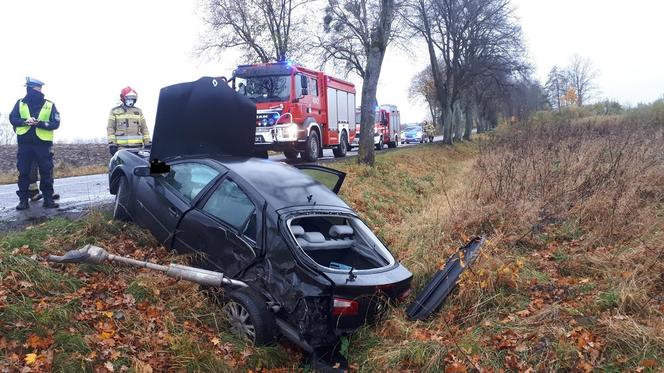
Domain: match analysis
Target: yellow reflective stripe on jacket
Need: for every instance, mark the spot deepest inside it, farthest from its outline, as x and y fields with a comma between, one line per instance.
x=44, y=116
x=127, y=140
x=127, y=116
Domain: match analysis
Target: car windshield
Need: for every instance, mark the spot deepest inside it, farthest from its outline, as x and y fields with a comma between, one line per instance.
x=413, y=129
x=266, y=88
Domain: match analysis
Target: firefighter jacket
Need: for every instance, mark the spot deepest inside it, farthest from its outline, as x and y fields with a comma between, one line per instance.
x=429, y=129
x=126, y=127
x=41, y=109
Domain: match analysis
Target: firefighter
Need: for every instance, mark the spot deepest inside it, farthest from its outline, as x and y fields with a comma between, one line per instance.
x=126, y=124
x=34, y=119
x=429, y=130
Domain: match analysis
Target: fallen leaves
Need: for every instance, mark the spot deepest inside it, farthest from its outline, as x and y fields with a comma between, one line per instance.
x=30, y=358
x=36, y=342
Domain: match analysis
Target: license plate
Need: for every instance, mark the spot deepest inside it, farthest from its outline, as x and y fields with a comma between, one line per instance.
x=259, y=138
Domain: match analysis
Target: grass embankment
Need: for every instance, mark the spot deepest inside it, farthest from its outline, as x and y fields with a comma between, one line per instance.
x=570, y=278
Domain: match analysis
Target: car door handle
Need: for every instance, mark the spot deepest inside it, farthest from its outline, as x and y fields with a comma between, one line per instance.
x=172, y=212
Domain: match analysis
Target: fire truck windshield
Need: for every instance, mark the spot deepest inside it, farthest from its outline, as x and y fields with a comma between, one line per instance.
x=267, y=88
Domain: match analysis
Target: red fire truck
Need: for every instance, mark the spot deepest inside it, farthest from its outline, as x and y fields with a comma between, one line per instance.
x=386, y=129
x=299, y=110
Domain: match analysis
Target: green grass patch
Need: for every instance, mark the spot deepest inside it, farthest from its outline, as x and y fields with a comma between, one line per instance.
x=607, y=300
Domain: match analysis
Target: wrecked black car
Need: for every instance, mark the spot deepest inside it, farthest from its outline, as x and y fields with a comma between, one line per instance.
x=302, y=264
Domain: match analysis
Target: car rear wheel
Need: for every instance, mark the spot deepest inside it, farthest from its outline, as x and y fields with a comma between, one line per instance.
x=291, y=153
x=342, y=149
x=249, y=317
x=122, y=200
x=312, y=147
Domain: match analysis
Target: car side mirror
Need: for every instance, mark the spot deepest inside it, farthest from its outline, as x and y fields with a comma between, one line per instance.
x=304, y=84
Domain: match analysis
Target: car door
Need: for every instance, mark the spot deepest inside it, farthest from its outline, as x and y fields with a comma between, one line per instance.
x=164, y=199
x=222, y=231
x=329, y=177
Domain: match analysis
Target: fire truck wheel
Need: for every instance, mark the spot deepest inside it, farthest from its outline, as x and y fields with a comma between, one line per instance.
x=342, y=149
x=393, y=144
x=379, y=146
x=291, y=153
x=312, y=147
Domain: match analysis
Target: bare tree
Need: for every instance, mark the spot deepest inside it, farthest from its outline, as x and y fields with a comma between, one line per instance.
x=582, y=78
x=422, y=88
x=264, y=30
x=472, y=39
x=356, y=34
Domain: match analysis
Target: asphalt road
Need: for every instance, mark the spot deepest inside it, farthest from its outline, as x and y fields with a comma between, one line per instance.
x=81, y=193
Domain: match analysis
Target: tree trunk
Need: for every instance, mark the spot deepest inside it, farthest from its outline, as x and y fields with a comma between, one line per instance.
x=368, y=106
x=470, y=120
x=458, y=122
x=448, y=108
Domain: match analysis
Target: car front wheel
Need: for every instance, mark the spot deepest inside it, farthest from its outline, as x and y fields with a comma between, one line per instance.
x=122, y=200
x=249, y=318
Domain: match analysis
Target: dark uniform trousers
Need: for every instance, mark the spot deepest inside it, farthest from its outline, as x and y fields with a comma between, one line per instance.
x=34, y=176
x=26, y=156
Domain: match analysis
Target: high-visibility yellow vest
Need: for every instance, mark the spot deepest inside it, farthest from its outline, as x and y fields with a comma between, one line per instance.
x=44, y=116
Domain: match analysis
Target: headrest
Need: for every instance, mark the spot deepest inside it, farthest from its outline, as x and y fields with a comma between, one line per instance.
x=297, y=230
x=341, y=230
x=314, y=237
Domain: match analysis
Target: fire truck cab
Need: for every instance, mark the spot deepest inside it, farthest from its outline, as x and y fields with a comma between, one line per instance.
x=299, y=110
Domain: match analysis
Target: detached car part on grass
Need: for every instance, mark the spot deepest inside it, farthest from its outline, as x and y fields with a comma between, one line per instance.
x=443, y=282
x=310, y=265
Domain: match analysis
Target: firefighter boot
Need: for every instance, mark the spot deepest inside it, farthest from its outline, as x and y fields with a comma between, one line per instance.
x=49, y=204
x=23, y=205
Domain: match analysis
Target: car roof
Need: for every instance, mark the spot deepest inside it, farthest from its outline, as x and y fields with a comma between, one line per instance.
x=280, y=184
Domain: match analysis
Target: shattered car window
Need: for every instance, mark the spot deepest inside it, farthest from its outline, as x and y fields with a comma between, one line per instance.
x=230, y=204
x=190, y=178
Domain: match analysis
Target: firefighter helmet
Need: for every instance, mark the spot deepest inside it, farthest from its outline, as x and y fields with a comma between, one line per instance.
x=128, y=92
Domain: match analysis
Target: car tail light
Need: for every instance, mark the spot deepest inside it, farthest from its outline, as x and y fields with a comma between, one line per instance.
x=345, y=307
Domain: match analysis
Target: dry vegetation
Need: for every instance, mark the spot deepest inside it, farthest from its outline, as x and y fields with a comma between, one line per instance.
x=571, y=277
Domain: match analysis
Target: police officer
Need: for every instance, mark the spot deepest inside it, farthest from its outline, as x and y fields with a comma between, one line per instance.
x=34, y=119
x=126, y=124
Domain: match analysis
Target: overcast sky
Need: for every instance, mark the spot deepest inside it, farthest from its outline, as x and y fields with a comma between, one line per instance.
x=87, y=51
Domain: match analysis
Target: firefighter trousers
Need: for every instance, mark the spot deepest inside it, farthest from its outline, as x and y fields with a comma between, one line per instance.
x=41, y=154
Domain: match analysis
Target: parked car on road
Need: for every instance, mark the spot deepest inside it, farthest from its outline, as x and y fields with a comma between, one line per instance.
x=314, y=271
x=413, y=134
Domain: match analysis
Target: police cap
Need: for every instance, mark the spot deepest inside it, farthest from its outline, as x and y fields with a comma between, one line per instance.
x=32, y=82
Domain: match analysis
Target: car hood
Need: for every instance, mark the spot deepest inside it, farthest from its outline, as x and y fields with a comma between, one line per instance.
x=203, y=117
